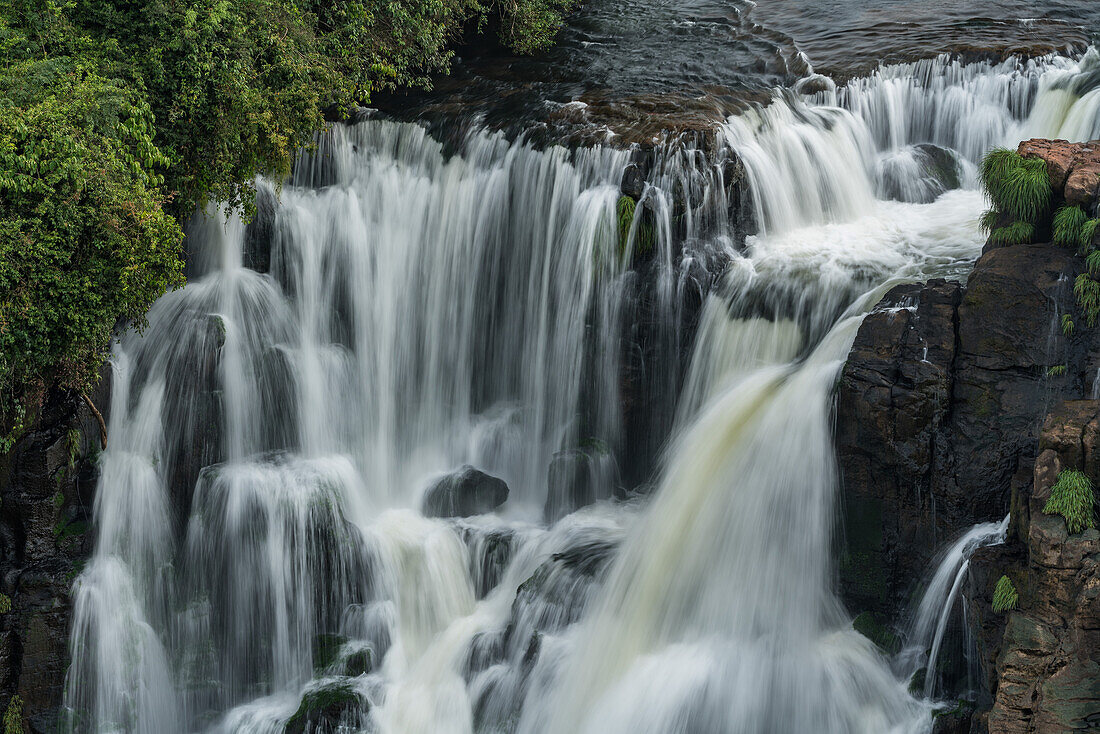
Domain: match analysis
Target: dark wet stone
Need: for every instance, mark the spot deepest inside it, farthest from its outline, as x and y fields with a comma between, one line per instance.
x=464, y=493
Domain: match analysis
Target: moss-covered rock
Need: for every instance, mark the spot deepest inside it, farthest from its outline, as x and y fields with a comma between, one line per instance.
x=328, y=706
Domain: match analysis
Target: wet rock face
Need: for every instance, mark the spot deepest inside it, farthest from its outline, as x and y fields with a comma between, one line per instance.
x=47, y=488
x=464, y=493
x=939, y=409
x=893, y=395
x=1043, y=659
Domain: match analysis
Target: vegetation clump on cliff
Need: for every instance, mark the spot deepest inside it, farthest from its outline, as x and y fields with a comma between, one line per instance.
x=1072, y=497
x=1005, y=596
x=118, y=120
x=1020, y=192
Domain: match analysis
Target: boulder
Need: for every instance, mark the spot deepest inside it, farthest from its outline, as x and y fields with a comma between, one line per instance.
x=464, y=493
x=1073, y=169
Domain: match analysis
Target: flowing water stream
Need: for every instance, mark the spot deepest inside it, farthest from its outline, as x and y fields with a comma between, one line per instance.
x=259, y=534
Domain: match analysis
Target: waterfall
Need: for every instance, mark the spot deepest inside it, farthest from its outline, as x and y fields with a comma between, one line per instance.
x=926, y=631
x=398, y=311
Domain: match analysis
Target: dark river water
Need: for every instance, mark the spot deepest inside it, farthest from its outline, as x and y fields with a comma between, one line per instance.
x=682, y=64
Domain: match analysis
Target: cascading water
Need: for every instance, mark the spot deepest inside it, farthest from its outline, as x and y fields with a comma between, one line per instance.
x=926, y=631
x=272, y=435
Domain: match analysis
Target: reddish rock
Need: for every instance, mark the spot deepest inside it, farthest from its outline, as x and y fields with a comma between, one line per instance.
x=1073, y=168
x=1082, y=183
x=1047, y=671
x=1058, y=154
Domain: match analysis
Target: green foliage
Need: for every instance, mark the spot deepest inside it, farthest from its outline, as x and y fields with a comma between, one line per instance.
x=1067, y=325
x=1017, y=233
x=1087, y=292
x=13, y=716
x=1017, y=186
x=989, y=220
x=530, y=25
x=1005, y=597
x=5, y=603
x=1056, y=371
x=1072, y=497
x=84, y=240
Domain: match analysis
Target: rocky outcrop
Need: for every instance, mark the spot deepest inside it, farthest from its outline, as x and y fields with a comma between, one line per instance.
x=939, y=407
x=1073, y=169
x=1042, y=660
x=957, y=404
x=47, y=490
x=464, y=493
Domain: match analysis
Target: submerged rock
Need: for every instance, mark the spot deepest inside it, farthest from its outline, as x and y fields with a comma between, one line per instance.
x=464, y=493
x=577, y=478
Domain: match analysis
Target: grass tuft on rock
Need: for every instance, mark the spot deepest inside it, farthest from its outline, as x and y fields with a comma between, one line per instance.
x=1017, y=186
x=13, y=716
x=1072, y=497
x=1005, y=596
x=1056, y=371
x=1067, y=325
x=1087, y=292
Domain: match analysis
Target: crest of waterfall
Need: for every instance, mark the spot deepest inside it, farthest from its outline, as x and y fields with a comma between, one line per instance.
x=929, y=623
x=273, y=433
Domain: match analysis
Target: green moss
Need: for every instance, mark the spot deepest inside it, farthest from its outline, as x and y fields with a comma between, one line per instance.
x=1072, y=497
x=5, y=603
x=324, y=707
x=1005, y=597
x=326, y=648
x=867, y=625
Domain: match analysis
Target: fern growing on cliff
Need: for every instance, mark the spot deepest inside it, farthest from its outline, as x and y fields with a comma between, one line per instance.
x=1005, y=597
x=1072, y=498
x=1067, y=325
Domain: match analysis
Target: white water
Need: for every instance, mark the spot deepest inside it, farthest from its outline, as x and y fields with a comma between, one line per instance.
x=272, y=435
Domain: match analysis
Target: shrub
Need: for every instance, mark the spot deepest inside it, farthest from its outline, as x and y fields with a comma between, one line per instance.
x=1005, y=597
x=1072, y=498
